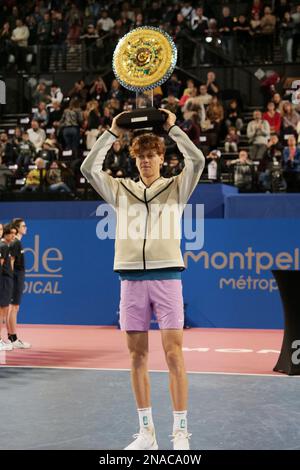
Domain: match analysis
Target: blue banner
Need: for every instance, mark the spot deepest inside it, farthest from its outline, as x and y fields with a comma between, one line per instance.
x=228, y=282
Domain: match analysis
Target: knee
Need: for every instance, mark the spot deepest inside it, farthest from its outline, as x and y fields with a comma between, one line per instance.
x=175, y=360
x=138, y=358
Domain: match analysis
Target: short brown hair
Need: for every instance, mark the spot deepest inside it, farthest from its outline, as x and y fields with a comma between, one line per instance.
x=145, y=142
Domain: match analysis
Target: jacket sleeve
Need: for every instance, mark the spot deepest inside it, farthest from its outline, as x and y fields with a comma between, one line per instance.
x=194, y=163
x=92, y=169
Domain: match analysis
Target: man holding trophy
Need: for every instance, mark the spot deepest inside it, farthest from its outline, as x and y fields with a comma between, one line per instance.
x=149, y=261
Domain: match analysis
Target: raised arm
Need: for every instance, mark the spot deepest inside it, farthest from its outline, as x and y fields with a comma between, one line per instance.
x=194, y=160
x=92, y=166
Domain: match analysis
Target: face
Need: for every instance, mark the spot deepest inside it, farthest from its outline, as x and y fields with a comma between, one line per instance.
x=243, y=155
x=276, y=98
x=203, y=89
x=22, y=228
x=9, y=237
x=257, y=115
x=291, y=140
x=34, y=125
x=211, y=76
x=1, y=231
x=271, y=106
x=149, y=163
x=117, y=146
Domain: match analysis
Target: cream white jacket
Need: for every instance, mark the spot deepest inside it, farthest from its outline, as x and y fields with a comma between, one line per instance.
x=148, y=218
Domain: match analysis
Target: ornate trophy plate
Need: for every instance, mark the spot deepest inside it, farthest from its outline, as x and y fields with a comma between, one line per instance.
x=144, y=59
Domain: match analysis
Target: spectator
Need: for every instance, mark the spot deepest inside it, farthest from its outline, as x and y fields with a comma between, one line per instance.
x=242, y=39
x=5, y=44
x=41, y=114
x=90, y=37
x=226, y=31
x=36, y=135
x=54, y=179
x=290, y=119
x=173, y=86
x=296, y=42
x=273, y=117
x=172, y=167
x=79, y=91
x=199, y=25
x=139, y=21
x=287, y=31
x=115, y=91
x=70, y=126
x=214, y=165
x=35, y=180
x=40, y=94
x=258, y=133
x=255, y=34
x=231, y=140
x=26, y=153
x=105, y=21
x=59, y=32
x=212, y=85
x=171, y=103
x=270, y=176
x=7, y=152
x=191, y=126
x=267, y=27
x=115, y=161
x=291, y=165
x=202, y=99
x=55, y=114
x=234, y=116
x=56, y=93
x=5, y=175
x=74, y=33
x=19, y=40
x=44, y=41
x=215, y=114
x=277, y=100
x=243, y=171
x=98, y=90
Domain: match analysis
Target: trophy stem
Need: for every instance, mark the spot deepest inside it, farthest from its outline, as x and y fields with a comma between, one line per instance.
x=144, y=99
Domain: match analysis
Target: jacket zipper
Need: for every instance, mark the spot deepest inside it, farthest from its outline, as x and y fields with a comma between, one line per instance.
x=145, y=235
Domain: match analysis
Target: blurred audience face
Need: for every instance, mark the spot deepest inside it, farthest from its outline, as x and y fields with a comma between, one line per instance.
x=243, y=155
x=34, y=125
x=291, y=141
x=257, y=115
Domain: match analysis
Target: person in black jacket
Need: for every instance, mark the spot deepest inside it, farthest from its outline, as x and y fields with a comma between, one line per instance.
x=18, y=284
x=6, y=278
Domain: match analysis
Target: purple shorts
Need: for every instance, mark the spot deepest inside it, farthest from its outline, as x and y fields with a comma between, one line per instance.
x=140, y=298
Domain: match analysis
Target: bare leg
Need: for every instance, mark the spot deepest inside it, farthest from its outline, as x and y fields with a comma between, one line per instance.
x=12, y=319
x=138, y=348
x=172, y=344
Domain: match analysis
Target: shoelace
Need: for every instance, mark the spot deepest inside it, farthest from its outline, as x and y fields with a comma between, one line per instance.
x=180, y=435
x=142, y=436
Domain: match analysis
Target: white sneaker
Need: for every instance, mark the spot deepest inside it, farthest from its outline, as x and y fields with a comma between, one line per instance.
x=181, y=440
x=18, y=344
x=144, y=440
x=5, y=346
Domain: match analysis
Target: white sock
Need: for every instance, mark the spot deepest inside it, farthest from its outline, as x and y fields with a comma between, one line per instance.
x=145, y=419
x=180, y=421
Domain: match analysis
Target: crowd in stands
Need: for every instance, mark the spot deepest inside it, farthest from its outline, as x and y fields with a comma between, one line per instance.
x=46, y=152
x=40, y=29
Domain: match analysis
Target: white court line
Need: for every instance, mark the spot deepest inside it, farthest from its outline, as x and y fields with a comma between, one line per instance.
x=152, y=370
